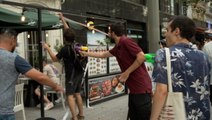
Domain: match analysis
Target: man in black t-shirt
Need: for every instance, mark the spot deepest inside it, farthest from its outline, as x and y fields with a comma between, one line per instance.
x=73, y=71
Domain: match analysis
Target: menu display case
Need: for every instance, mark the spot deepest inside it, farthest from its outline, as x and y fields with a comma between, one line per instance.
x=102, y=75
x=104, y=87
x=97, y=66
x=113, y=64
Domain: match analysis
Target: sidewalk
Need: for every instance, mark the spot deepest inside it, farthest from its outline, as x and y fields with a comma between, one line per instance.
x=115, y=109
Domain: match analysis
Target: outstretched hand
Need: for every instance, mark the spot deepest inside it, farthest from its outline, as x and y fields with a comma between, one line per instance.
x=45, y=46
x=82, y=53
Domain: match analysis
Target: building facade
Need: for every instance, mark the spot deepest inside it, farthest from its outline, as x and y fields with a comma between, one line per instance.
x=27, y=41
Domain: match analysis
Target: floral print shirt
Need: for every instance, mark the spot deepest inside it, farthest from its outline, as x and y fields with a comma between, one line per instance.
x=190, y=75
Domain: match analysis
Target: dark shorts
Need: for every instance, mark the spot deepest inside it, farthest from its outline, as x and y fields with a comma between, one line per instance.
x=7, y=117
x=73, y=86
x=140, y=106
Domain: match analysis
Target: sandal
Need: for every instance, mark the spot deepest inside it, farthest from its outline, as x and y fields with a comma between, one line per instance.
x=80, y=117
x=72, y=118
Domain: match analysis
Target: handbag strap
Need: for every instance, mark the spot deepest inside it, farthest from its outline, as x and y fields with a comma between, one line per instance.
x=168, y=64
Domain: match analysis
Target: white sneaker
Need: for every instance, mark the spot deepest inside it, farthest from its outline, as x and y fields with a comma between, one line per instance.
x=59, y=100
x=49, y=106
x=38, y=105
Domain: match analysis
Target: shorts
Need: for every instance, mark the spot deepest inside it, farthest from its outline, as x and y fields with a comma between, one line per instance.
x=73, y=82
x=7, y=117
x=72, y=88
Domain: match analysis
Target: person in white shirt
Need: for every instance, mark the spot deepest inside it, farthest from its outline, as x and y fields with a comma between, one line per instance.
x=51, y=71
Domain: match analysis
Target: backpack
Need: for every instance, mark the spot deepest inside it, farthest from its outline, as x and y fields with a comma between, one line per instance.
x=79, y=65
x=82, y=60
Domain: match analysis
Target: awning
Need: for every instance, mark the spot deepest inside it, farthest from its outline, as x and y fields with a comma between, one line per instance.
x=49, y=20
x=11, y=19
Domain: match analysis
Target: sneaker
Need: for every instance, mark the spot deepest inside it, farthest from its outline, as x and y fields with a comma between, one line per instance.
x=80, y=117
x=38, y=105
x=59, y=100
x=49, y=106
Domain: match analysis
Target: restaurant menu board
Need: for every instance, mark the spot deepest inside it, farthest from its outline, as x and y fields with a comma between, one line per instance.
x=113, y=64
x=103, y=87
x=97, y=66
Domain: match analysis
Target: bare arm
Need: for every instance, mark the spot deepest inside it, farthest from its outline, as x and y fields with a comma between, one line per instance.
x=42, y=79
x=96, y=55
x=65, y=25
x=138, y=61
x=158, y=100
x=52, y=55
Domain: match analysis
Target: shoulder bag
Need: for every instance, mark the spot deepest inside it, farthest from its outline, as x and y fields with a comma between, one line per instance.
x=174, y=108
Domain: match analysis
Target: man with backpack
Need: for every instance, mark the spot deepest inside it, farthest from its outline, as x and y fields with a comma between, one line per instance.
x=73, y=71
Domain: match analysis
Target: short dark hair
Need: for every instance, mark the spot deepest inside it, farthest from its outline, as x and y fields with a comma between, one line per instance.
x=8, y=32
x=118, y=29
x=163, y=42
x=69, y=35
x=186, y=25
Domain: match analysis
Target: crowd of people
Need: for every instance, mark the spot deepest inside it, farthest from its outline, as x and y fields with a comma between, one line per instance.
x=190, y=71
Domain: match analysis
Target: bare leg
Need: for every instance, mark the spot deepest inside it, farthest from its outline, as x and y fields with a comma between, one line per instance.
x=79, y=103
x=37, y=92
x=71, y=103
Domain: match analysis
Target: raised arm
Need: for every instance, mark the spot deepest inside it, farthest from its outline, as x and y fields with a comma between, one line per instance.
x=65, y=25
x=52, y=55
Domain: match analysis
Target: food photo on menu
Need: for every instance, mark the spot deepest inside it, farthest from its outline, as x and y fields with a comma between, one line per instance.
x=95, y=91
x=106, y=87
x=117, y=86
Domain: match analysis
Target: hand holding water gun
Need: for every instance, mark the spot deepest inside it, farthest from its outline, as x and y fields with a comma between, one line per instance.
x=79, y=47
x=150, y=57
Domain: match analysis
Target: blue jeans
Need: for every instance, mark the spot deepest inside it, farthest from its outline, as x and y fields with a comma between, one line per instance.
x=7, y=117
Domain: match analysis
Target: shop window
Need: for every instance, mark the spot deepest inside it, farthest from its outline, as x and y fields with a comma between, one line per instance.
x=33, y=48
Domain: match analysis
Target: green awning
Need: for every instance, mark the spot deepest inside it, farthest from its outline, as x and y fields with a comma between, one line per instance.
x=11, y=19
x=49, y=21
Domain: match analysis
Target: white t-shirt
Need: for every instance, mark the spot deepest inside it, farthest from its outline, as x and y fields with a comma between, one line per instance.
x=208, y=50
x=49, y=70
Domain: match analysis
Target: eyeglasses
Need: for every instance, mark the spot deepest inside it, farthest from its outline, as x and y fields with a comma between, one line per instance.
x=9, y=32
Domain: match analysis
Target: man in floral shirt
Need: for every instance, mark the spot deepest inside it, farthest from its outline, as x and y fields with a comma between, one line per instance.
x=189, y=71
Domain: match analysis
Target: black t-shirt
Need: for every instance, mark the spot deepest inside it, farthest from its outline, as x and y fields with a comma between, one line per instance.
x=68, y=55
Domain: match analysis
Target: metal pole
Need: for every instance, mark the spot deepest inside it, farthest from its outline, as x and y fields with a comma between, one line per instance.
x=39, y=36
x=40, y=58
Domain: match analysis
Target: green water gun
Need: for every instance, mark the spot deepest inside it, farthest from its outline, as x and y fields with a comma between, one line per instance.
x=150, y=57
